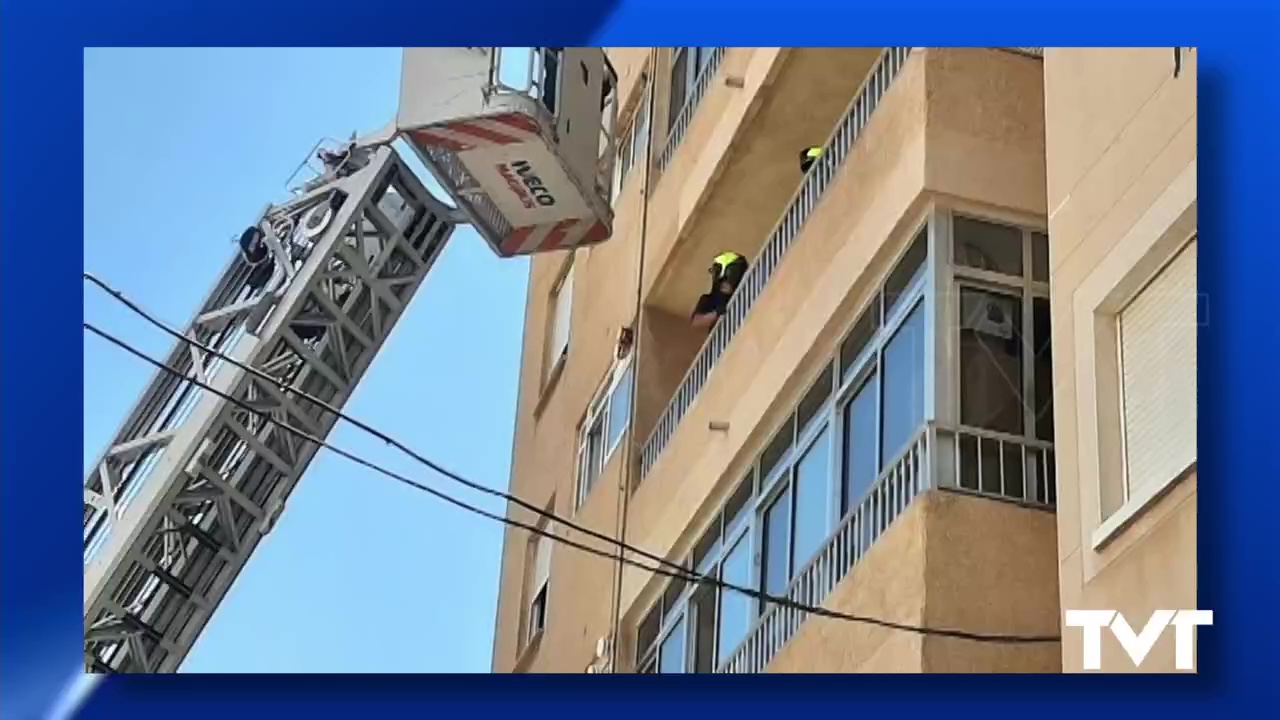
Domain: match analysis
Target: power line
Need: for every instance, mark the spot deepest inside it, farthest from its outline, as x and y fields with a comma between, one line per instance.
x=684, y=574
x=284, y=387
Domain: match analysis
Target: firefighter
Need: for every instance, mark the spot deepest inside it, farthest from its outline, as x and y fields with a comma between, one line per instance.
x=808, y=157
x=727, y=271
x=257, y=255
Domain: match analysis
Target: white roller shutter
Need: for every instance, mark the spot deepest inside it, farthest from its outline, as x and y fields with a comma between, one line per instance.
x=561, y=315
x=1158, y=368
x=541, y=563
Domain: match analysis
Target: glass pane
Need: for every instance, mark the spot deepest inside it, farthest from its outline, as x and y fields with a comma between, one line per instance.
x=647, y=634
x=640, y=131
x=812, y=402
x=679, y=75
x=987, y=246
x=778, y=447
x=991, y=361
x=619, y=409
x=595, y=449
x=675, y=587
x=735, y=508
x=1043, y=344
x=707, y=545
x=858, y=338
x=703, y=605
x=551, y=78
x=513, y=67
x=861, y=463
x=908, y=269
x=671, y=658
x=735, y=608
x=777, y=544
x=1040, y=257
x=903, y=373
x=813, y=491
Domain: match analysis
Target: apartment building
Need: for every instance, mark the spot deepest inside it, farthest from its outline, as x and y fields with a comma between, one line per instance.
x=931, y=400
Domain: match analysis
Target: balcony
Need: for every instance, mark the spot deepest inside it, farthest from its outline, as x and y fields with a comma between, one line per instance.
x=729, y=166
x=766, y=261
x=938, y=458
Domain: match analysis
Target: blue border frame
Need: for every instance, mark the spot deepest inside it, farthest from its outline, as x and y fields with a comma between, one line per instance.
x=40, y=113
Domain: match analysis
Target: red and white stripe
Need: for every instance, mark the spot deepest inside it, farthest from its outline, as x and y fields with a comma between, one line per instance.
x=562, y=235
x=463, y=135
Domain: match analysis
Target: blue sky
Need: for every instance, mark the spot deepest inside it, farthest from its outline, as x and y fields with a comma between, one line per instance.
x=183, y=147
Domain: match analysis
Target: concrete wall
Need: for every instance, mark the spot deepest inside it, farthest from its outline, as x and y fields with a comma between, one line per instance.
x=989, y=568
x=940, y=565
x=889, y=583
x=1121, y=143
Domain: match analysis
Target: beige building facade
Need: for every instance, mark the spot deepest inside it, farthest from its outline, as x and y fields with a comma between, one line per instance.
x=931, y=400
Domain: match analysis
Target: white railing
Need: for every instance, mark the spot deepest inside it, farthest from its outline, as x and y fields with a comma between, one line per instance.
x=681, y=124
x=933, y=459
x=784, y=234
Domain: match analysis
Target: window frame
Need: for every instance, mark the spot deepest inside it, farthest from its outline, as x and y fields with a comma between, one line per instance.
x=695, y=60
x=554, y=365
x=600, y=411
x=1111, y=463
x=870, y=357
x=1127, y=489
x=537, y=595
x=627, y=157
x=1136, y=254
x=730, y=532
x=1025, y=289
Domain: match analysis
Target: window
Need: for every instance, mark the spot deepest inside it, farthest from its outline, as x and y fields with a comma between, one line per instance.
x=903, y=407
x=861, y=460
x=550, y=83
x=633, y=145
x=671, y=659
x=702, y=609
x=701, y=618
x=776, y=554
x=991, y=387
x=797, y=520
x=687, y=64
x=561, y=316
x=539, y=585
x=1157, y=343
x=1005, y=368
x=812, y=499
x=986, y=246
x=735, y=607
x=604, y=427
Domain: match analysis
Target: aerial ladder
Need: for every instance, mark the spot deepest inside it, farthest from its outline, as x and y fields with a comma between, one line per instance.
x=522, y=142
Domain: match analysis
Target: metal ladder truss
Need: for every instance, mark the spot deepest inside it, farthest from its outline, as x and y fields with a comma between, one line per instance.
x=176, y=505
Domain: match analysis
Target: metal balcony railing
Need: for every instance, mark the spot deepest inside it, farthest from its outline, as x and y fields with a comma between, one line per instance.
x=681, y=124
x=784, y=234
x=937, y=457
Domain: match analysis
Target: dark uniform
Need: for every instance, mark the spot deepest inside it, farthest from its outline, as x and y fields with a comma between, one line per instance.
x=256, y=254
x=727, y=271
x=808, y=157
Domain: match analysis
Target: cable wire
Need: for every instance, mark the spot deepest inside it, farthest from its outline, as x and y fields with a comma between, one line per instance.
x=685, y=574
x=626, y=476
x=286, y=388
